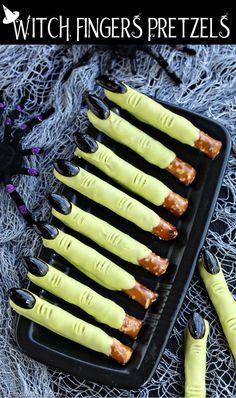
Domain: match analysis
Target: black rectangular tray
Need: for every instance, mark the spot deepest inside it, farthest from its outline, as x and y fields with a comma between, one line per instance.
x=56, y=351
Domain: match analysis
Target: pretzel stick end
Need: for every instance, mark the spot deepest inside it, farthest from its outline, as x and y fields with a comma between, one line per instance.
x=208, y=145
x=182, y=170
x=120, y=352
x=176, y=204
x=164, y=230
x=142, y=295
x=131, y=326
x=155, y=264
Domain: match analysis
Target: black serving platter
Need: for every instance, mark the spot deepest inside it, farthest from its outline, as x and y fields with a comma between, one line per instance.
x=56, y=351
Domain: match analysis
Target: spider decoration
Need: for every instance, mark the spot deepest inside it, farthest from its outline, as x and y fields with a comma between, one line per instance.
x=12, y=154
x=129, y=51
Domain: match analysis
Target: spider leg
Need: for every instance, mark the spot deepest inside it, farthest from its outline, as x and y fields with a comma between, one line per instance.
x=2, y=106
x=26, y=127
x=82, y=61
x=11, y=189
x=86, y=57
x=185, y=49
x=29, y=171
x=18, y=109
x=104, y=67
x=101, y=67
x=31, y=151
x=133, y=64
x=10, y=120
x=162, y=62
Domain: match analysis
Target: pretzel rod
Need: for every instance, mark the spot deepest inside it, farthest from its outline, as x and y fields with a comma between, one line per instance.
x=127, y=134
x=164, y=230
x=114, y=199
x=107, y=236
x=183, y=171
x=127, y=175
x=74, y=292
x=67, y=325
x=120, y=352
x=176, y=204
x=151, y=112
x=131, y=326
x=208, y=145
x=89, y=261
x=155, y=264
x=142, y=295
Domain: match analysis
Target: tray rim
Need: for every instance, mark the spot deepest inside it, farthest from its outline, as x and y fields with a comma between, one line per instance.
x=142, y=382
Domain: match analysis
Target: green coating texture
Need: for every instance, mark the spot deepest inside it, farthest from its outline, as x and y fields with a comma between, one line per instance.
x=67, y=325
x=127, y=175
x=112, y=198
x=74, y=292
x=223, y=303
x=90, y=262
x=104, y=234
x=150, y=112
x=195, y=364
x=124, y=132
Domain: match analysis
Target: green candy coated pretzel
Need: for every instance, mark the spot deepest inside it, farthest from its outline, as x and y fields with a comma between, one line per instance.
x=74, y=292
x=90, y=262
x=104, y=234
x=112, y=198
x=67, y=325
x=127, y=175
x=195, y=364
x=125, y=133
x=223, y=303
x=150, y=112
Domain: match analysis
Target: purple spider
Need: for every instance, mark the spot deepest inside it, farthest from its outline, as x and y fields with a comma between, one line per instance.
x=12, y=154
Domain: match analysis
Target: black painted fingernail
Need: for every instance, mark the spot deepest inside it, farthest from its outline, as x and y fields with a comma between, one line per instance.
x=196, y=326
x=47, y=231
x=22, y=298
x=111, y=83
x=210, y=262
x=66, y=168
x=36, y=266
x=97, y=106
x=59, y=203
x=85, y=143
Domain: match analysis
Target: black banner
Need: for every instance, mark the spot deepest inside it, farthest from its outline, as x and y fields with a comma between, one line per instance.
x=72, y=24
